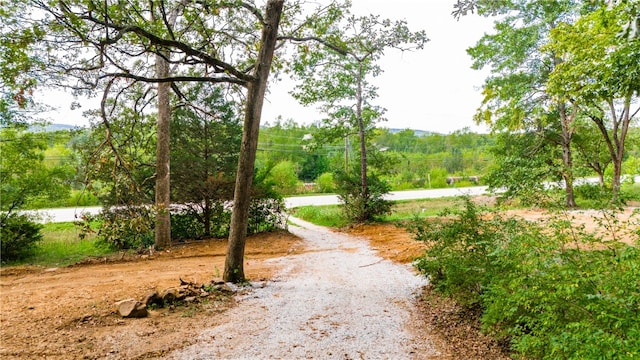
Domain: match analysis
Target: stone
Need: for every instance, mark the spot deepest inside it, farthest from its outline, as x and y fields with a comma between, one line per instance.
x=131, y=308
x=152, y=298
x=172, y=295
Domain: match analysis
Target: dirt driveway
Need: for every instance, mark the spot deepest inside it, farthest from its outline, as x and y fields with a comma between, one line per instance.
x=337, y=300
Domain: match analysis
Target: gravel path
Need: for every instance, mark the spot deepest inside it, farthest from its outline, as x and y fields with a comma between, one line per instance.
x=336, y=301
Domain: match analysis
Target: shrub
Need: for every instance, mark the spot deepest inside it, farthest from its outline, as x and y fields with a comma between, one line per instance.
x=326, y=183
x=126, y=227
x=457, y=259
x=438, y=178
x=266, y=214
x=553, y=289
x=19, y=236
x=283, y=174
x=186, y=225
x=359, y=207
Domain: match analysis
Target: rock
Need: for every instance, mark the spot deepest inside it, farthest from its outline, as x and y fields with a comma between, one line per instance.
x=131, y=308
x=172, y=295
x=152, y=299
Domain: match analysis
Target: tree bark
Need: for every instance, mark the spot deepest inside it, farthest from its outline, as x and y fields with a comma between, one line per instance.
x=163, y=201
x=567, y=157
x=234, y=269
x=363, y=148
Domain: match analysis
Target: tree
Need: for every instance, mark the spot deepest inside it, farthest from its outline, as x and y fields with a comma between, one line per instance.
x=112, y=47
x=20, y=63
x=338, y=80
x=163, y=156
x=112, y=43
x=118, y=154
x=516, y=97
x=601, y=75
x=591, y=149
x=205, y=141
x=23, y=172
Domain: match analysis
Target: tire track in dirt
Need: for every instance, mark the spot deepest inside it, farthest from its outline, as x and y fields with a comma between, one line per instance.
x=337, y=300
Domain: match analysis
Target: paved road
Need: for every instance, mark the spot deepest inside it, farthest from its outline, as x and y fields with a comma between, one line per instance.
x=72, y=214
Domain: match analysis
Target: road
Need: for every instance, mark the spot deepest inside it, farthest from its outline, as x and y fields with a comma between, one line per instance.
x=72, y=214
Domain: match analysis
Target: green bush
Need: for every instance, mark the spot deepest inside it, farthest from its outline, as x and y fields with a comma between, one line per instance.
x=457, y=259
x=438, y=178
x=190, y=224
x=82, y=198
x=554, y=290
x=326, y=183
x=19, y=236
x=126, y=227
x=186, y=226
x=266, y=214
x=359, y=207
x=283, y=174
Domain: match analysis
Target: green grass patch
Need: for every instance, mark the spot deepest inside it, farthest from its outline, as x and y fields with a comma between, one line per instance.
x=410, y=209
x=62, y=246
x=631, y=191
x=331, y=215
x=327, y=215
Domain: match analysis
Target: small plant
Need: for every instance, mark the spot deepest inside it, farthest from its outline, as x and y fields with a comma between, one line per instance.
x=19, y=236
x=126, y=228
x=359, y=206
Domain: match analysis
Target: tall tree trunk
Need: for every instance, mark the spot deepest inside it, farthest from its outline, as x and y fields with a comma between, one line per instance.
x=233, y=268
x=206, y=217
x=363, y=149
x=621, y=127
x=163, y=201
x=567, y=158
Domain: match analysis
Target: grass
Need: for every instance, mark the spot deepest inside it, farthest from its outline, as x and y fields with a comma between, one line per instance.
x=326, y=215
x=331, y=215
x=62, y=246
x=410, y=209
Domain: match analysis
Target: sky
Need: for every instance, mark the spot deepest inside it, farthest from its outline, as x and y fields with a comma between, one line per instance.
x=433, y=89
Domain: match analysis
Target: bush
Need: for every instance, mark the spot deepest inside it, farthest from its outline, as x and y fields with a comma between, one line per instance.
x=553, y=289
x=356, y=206
x=190, y=223
x=283, y=174
x=125, y=228
x=266, y=214
x=186, y=225
x=326, y=183
x=438, y=178
x=19, y=236
x=456, y=261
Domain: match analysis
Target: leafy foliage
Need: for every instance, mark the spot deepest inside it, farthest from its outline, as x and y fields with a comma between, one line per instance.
x=18, y=237
x=283, y=174
x=326, y=183
x=554, y=290
x=338, y=79
x=359, y=206
x=24, y=175
x=205, y=142
x=125, y=228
